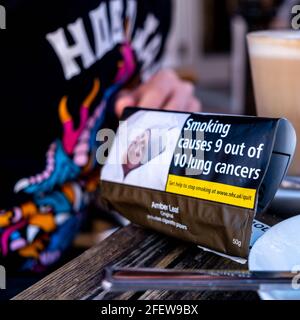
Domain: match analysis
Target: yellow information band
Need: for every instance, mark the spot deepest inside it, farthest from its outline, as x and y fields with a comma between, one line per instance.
x=211, y=191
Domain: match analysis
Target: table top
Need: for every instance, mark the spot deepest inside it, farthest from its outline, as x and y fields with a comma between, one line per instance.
x=134, y=246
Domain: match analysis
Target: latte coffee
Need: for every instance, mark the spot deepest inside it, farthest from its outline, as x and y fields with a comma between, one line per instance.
x=275, y=63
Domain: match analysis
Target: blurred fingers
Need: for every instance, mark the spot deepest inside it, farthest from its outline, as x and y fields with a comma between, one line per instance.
x=156, y=92
x=194, y=105
x=126, y=98
x=181, y=97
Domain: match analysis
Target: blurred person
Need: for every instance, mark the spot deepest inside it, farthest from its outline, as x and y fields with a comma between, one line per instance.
x=66, y=69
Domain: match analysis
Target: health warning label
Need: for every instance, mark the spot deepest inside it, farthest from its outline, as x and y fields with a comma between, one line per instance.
x=211, y=191
x=221, y=159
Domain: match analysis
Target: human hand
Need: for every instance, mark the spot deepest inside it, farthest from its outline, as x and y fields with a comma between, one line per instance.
x=165, y=90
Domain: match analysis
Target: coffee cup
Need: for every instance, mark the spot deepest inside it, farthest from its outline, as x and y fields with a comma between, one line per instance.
x=275, y=64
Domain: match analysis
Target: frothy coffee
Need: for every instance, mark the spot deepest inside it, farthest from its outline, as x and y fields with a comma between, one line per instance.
x=276, y=44
x=275, y=62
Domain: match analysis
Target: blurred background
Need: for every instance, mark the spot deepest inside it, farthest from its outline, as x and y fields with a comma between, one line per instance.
x=208, y=45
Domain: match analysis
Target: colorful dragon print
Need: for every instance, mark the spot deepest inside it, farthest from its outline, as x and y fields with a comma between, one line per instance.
x=67, y=158
x=40, y=230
